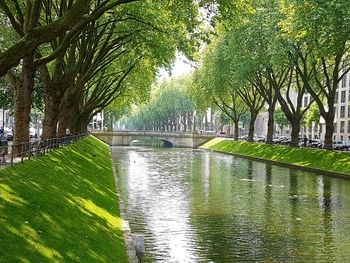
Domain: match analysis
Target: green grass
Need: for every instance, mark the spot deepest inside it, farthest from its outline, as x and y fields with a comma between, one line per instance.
x=312, y=158
x=61, y=207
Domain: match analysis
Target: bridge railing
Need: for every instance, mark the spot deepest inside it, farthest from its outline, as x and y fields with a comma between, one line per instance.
x=196, y=133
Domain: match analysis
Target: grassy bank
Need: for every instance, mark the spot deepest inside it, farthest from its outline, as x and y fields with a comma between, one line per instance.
x=338, y=162
x=61, y=207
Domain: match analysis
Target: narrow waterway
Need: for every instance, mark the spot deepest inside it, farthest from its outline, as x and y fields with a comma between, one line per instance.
x=199, y=206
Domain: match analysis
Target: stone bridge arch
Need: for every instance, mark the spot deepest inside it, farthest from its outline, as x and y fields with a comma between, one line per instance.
x=167, y=142
x=124, y=138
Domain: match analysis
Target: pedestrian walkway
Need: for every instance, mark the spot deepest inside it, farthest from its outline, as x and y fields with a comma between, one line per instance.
x=13, y=154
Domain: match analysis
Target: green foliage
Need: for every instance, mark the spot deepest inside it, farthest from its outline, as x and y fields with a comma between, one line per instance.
x=322, y=25
x=167, y=103
x=38, y=96
x=280, y=118
x=62, y=207
x=8, y=34
x=117, y=57
x=313, y=115
x=224, y=119
x=6, y=95
x=115, y=111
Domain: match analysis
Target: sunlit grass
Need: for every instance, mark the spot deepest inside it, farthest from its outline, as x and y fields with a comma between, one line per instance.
x=312, y=158
x=61, y=207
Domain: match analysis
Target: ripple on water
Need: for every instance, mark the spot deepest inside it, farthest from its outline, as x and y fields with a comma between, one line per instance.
x=197, y=206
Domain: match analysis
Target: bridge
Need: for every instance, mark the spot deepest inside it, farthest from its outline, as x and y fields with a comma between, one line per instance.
x=124, y=138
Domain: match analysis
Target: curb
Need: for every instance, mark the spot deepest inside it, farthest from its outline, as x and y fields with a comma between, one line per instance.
x=128, y=236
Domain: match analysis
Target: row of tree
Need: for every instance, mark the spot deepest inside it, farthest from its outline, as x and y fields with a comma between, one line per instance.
x=277, y=51
x=168, y=110
x=86, y=54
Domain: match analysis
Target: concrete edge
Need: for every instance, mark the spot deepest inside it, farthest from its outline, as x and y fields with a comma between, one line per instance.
x=287, y=165
x=128, y=237
x=129, y=242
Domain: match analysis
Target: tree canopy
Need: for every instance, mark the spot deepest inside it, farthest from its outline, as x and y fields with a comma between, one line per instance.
x=90, y=53
x=169, y=109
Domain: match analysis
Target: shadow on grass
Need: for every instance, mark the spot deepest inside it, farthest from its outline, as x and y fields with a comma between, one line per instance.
x=61, y=207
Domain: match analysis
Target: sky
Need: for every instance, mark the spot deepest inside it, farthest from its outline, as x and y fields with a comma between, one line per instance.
x=181, y=66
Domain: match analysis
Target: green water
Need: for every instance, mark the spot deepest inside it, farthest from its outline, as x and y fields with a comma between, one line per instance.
x=198, y=206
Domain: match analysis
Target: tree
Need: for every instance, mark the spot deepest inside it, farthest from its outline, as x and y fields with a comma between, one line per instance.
x=228, y=73
x=251, y=43
x=265, y=59
x=319, y=31
x=226, y=100
x=165, y=27
x=313, y=116
x=144, y=43
x=280, y=119
x=74, y=15
x=169, y=109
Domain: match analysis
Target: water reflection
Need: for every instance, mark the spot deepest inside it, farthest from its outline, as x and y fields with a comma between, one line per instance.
x=197, y=206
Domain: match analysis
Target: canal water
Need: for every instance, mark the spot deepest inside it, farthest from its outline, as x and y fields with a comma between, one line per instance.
x=200, y=206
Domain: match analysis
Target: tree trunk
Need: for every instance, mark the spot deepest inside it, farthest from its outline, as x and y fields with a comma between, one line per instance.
x=79, y=123
x=67, y=111
x=270, y=123
x=328, y=137
x=236, y=131
x=111, y=122
x=23, y=100
x=52, y=106
x=194, y=123
x=295, y=133
x=253, y=116
x=188, y=120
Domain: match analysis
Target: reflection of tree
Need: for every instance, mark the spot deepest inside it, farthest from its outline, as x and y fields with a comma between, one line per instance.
x=231, y=218
x=233, y=224
x=250, y=170
x=250, y=175
x=295, y=212
x=293, y=188
x=268, y=192
x=327, y=196
x=328, y=240
x=214, y=208
x=137, y=217
x=268, y=181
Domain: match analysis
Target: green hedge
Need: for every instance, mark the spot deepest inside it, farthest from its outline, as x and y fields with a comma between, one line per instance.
x=338, y=162
x=61, y=207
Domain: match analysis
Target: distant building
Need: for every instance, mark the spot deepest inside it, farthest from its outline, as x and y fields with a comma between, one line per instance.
x=6, y=120
x=341, y=118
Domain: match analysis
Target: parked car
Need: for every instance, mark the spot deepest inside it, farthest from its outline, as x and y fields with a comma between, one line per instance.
x=260, y=139
x=222, y=134
x=279, y=139
x=286, y=141
x=7, y=136
x=243, y=138
x=315, y=144
x=340, y=145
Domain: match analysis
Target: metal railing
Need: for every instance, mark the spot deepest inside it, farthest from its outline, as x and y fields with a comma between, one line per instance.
x=11, y=153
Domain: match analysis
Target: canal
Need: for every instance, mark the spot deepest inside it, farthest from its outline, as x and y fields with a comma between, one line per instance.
x=200, y=206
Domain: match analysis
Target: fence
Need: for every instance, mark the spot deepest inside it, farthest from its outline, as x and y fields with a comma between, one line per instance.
x=16, y=153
